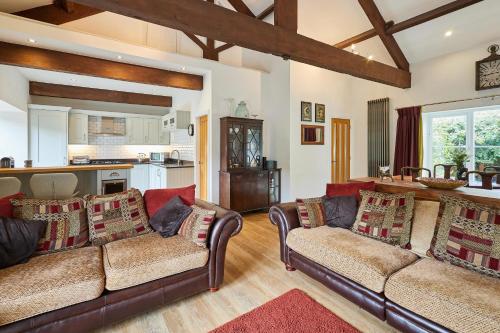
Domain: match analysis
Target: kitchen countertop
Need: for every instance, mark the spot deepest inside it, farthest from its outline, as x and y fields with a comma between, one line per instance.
x=69, y=168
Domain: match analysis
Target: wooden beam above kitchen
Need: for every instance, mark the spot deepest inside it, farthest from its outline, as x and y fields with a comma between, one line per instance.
x=38, y=58
x=59, y=12
x=101, y=95
x=392, y=28
x=212, y=21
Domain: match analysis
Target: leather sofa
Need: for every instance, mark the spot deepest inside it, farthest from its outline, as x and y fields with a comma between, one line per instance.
x=412, y=292
x=124, y=295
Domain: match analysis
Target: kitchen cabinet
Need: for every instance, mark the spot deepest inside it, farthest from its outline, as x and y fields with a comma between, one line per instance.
x=176, y=120
x=151, y=131
x=157, y=176
x=164, y=137
x=139, y=177
x=48, y=136
x=78, y=128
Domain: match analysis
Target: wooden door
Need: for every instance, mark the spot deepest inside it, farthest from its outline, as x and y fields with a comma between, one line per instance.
x=203, y=156
x=341, y=150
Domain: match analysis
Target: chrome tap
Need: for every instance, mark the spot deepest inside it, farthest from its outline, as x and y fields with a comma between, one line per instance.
x=178, y=156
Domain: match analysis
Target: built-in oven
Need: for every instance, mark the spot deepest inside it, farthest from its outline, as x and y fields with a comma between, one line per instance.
x=112, y=181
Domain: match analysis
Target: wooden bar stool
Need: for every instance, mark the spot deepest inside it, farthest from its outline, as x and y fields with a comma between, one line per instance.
x=9, y=186
x=447, y=170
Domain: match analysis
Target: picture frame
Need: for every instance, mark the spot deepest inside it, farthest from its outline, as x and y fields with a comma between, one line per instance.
x=312, y=135
x=319, y=113
x=306, y=111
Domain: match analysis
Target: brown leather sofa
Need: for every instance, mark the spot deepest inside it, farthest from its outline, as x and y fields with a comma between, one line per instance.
x=285, y=216
x=114, y=306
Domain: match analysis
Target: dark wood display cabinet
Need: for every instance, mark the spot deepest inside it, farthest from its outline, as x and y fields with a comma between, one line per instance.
x=244, y=185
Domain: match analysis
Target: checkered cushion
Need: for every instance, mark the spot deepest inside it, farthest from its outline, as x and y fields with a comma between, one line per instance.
x=116, y=216
x=195, y=227
x=468, y=235
x=386, y=217
x=67, y=226
x=311, y=213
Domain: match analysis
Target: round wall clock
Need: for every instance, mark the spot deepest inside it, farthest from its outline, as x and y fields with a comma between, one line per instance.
x=488, y=70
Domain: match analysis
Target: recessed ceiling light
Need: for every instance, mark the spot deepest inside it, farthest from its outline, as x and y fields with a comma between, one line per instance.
x=448, y=33
x=119, y=57
x=353, y=46
x=355, y=52
x=370, y=57
x=183, y=68
x=31, y=40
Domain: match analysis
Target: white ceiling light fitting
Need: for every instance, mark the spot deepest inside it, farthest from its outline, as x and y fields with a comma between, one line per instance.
x=370, y=57
x=448, y=33
x=31, y=40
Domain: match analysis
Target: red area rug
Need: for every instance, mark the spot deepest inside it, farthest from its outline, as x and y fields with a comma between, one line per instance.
x=291, y=312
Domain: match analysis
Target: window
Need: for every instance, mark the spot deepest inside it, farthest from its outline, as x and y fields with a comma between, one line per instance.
x=475, y=131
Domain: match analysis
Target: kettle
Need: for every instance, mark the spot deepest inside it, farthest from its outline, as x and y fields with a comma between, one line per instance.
x=7, y=162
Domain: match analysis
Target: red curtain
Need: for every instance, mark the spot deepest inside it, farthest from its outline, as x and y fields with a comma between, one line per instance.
x=406, y=150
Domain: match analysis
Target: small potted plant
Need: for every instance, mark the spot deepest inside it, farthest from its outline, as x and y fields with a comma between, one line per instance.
x=459, y=158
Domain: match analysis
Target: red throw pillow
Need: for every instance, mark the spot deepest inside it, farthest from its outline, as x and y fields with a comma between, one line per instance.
x=6, y=208
x=155, y=199
x=345, y=189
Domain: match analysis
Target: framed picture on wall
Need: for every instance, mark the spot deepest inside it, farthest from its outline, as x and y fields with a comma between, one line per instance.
x=319, y=113
x=305, y=111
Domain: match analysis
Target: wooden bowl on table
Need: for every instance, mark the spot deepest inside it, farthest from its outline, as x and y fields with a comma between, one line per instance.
x=441, y=183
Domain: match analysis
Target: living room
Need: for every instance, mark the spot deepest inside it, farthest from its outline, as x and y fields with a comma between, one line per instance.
x=410, y=84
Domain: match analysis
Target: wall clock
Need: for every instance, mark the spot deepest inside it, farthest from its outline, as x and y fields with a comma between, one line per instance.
x=488, y=70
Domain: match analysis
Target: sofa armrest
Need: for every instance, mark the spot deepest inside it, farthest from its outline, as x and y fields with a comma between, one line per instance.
x=227, y=224
x=285, y=216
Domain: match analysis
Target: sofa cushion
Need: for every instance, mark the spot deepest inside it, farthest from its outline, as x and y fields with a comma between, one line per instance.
x=196, y=226
x=168, y=219
x=360, y=259
x=6, y=209
x=451, y=296
x=116, y=216
x=49, y=282
x=467, y=234
x=353, y=188
x=340, y=211
x=133, y=261
x=67, y=226
x=386, y=217
x=311, y=213
x=422, y=227
x=155, y=199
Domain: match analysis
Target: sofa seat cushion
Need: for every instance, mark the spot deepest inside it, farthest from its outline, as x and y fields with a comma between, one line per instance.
x=363, y=260
x=454, y=297
x=50, y=282
x=133, y=261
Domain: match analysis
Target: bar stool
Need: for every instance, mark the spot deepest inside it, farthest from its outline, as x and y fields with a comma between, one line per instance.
x=9, y=186
x=54, y=186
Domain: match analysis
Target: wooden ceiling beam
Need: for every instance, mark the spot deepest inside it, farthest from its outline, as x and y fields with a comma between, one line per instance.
x=241, y=7
x=285, y=14
x=378, y=22
x=410, y=23
x=101, y=95
x=212, y=21
x=59, y=13
x=196, y=40
x=38, y=58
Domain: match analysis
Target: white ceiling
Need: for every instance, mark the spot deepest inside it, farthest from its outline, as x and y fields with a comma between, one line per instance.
x=332, y=21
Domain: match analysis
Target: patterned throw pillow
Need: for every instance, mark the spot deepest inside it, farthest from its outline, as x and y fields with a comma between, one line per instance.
x=195, y=226
x=311, y=213
x=116, y=216
x=468, y=235
x=386, y=217
x=67, y=226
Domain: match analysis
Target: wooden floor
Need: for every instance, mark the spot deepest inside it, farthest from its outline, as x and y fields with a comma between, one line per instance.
x=254, y=275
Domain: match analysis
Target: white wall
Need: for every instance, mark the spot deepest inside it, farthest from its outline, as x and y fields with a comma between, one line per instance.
x=14, y=101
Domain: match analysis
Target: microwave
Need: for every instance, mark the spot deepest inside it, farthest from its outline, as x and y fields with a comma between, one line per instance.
x=158, y=157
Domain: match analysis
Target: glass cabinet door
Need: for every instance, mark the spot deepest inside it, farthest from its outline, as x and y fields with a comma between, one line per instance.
x=274, y=187
x=253, y=147
x=236, y=146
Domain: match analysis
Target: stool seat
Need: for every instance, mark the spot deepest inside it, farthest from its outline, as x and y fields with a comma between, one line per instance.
x=53, y=186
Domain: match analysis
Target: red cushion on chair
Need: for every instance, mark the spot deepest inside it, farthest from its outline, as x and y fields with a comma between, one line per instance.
x=336, y=190
x=6, y=209
x=155, y=199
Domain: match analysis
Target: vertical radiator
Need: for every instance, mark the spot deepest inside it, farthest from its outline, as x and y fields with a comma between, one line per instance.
x=378, y=135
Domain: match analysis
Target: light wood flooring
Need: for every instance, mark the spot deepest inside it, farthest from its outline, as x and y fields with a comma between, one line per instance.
x=254, y=275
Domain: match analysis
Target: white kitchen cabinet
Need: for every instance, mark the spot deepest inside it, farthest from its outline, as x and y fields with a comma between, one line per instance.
x=78, y=129
x=157, y=177
x=176, y=120
x=139, y=177
x=48, y=136
x=135, y=131
x=180, y=177
x=164, y=135
x=151, y=131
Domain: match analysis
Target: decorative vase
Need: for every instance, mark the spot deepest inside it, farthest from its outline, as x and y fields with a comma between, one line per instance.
x=241, y=110
x=461, y=173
